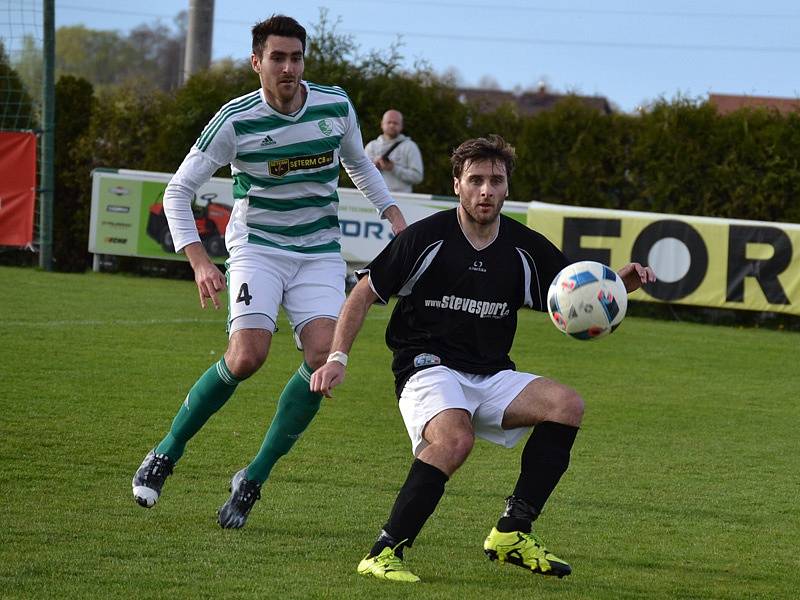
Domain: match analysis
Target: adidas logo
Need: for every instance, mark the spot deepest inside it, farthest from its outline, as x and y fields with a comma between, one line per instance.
x=268, y=141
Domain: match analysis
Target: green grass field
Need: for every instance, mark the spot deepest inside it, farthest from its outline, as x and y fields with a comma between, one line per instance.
x=683, y=483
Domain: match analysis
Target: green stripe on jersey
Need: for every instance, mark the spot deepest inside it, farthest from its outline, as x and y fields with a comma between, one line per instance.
x=242, y=182
x=292, y=150
x=326, y=89
x=326, y=111
x=320, y=249
x=234, y=108
x=291, y=203
x=313, y=113
x=328, y=222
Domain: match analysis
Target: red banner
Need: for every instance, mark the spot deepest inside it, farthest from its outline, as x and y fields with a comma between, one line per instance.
x=17, y=187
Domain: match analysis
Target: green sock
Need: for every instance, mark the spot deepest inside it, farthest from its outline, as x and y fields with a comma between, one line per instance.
x=296, y=408
x=205, y=398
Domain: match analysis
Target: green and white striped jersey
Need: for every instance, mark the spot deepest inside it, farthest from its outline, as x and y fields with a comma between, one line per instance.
x=285, y=171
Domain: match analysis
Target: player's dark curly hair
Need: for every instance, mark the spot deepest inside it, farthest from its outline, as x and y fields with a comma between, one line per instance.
x=280, y=25
x=492, y=147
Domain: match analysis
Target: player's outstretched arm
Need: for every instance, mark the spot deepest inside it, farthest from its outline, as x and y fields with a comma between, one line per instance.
x=210, y=282
x=351, y=319
x=634, y=276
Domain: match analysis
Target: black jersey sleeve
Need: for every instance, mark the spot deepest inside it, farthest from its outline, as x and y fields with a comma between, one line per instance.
x=390, y=268
x=394, y=271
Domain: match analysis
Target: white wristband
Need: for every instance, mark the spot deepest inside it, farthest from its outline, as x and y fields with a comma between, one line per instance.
x=339, y=357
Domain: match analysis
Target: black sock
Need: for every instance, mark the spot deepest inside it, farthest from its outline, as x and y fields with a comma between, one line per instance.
x=544, y=460
x=518, y=516
x=386, y=541
x=415, y=502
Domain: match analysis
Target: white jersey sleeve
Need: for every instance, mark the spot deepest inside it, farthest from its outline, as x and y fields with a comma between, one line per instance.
x=195, y=170
x=361, y=169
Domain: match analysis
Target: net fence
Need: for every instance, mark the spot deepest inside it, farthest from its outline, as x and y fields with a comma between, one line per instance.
x=21, y=76
x=21, y=65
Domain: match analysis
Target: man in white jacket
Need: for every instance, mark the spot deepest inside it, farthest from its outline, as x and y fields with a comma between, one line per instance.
x=284, y=142
x=395, y=155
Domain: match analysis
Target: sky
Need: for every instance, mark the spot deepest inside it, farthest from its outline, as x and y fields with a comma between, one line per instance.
x=630, y=51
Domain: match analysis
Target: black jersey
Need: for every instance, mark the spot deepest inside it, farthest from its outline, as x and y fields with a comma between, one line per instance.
x=457, y=306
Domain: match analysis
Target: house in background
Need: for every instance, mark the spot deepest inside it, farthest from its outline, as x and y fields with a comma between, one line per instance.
x=726, y=103
x=526, y=103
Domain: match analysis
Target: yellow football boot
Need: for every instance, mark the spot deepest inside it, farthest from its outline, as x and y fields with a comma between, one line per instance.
x=386, y=565
x=524, y=550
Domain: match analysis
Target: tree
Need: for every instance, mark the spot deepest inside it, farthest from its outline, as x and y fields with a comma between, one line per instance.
x=100, y=57
x=376, y=81
x=17, y=108
x=575, y=155
x=124, y=124
x=72, y=199
x=187, y=111
x=151, y=56
x=162, y=51
x=29, y=63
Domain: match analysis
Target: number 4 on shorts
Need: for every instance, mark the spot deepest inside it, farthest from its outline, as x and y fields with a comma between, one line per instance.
x=244, y=295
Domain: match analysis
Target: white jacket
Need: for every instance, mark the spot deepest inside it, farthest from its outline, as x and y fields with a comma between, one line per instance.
x=407, y=161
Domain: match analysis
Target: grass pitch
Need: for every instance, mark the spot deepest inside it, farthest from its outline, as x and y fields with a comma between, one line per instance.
x=683, y=481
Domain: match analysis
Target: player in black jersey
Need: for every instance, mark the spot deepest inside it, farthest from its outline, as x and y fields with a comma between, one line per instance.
x=461, y=276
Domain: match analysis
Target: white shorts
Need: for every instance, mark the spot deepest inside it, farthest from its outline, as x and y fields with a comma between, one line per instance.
x=485, y=397
x=260, y=280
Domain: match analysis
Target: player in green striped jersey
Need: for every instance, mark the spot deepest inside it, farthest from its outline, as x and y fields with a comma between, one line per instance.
x=285, y=143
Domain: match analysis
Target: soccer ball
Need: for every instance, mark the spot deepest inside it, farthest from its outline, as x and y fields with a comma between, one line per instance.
x=587, y=300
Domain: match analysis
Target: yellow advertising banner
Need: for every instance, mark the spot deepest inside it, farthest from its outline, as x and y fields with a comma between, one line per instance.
x=701, y=261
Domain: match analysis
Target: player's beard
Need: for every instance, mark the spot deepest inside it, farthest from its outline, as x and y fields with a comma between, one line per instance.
x=482, y=217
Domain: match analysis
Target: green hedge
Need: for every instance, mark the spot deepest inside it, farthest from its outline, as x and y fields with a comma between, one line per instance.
x=677, y=157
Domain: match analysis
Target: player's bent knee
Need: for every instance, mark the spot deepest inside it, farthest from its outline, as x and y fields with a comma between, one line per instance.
x=570, y=407
x=245, y=364
x=459, y=447
x=316, y=337
x=316, y=359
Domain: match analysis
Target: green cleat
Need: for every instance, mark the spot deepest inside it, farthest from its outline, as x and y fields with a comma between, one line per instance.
x=387, y=565
x=524, y=550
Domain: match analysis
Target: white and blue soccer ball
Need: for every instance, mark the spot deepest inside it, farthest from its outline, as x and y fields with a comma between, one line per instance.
x=587, y=300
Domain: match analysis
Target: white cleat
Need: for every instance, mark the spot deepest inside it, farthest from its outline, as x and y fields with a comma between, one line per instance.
x=150, y=477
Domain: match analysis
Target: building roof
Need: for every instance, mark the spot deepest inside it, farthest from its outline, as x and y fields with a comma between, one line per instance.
x=527, y=103
x=726, y=103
